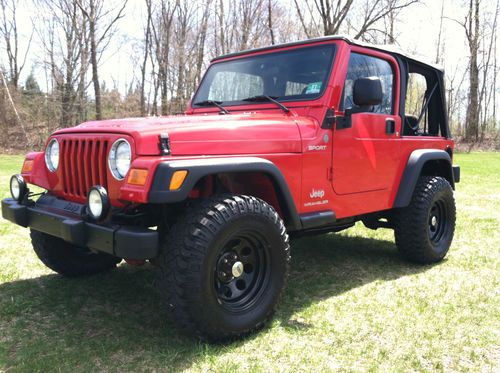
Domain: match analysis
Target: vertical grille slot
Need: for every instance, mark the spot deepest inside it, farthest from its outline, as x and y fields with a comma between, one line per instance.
x=72, y=161
x=102, y=164
x=83, y=165
x=95, y=165
x=86, y=165
x=66, y=167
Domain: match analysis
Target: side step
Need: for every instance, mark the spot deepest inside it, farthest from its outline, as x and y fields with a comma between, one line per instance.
x=317, y=219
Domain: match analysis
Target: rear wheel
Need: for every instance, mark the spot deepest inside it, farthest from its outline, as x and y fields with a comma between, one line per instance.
x=223, y=267
x=424, y=230
x=70, y=260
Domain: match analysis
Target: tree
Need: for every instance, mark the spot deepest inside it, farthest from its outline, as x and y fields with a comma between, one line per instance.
x=488, y=84
x=98, y=17
x=13, y=105
x=471, y=27
x=377, y=10
x=440, y=43
x=162, y=31
x=270, y=21
x=31, y=86
x=10, y=35
x=147, y=48
x=336, y=15
x=200, y=42
x=480, y=29
x=63, y=37
x=332, y=15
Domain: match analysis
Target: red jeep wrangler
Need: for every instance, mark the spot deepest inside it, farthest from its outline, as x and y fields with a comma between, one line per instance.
x=300, y=138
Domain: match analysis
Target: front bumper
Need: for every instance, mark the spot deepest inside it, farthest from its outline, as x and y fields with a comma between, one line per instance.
x=57, y=218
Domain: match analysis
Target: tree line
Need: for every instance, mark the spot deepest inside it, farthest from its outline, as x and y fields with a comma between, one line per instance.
x=177, y=41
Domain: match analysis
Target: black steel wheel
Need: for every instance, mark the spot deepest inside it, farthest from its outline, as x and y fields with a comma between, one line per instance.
x=424, y=230
x=438, y=221
x=223, y=267
x=242, y=272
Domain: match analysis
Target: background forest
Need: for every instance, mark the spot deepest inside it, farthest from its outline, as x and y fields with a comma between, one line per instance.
x=63, y=62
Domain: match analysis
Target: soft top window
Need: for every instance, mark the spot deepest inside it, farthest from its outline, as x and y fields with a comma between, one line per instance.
x=364, y=66
x=424, y=114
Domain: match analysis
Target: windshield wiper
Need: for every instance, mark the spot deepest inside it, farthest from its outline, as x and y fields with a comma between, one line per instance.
x=213, y=103
x=268, y=98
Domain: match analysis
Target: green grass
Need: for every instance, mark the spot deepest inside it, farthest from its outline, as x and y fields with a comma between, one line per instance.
x=351, y=305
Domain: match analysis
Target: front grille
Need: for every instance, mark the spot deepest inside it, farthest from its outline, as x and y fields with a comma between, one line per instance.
x=83, y=165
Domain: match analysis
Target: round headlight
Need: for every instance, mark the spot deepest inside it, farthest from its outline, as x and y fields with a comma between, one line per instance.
x=18, y=187
x=119, y=158
x=52, y=155
x=98, y=202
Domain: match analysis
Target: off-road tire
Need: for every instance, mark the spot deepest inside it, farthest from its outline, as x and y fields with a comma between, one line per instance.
x=189, y=282
x=69, y=260
x=419, y=237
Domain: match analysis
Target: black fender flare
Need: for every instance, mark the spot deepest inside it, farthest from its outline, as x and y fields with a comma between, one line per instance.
x=416, y=162
x=198, y=168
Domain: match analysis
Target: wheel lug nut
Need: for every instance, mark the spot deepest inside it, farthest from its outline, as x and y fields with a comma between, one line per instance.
x=222, y=274
x=225, y=261
x=235, y=257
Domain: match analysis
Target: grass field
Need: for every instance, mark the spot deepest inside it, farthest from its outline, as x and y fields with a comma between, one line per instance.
x=351, y=305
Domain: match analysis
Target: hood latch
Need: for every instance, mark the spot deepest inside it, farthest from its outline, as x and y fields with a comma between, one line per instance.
x=164, y=144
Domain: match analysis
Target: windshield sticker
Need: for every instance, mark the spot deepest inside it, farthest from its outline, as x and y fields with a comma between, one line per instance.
x=313, y=88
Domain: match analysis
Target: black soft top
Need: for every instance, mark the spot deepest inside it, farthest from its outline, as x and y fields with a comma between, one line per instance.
x=391, y=49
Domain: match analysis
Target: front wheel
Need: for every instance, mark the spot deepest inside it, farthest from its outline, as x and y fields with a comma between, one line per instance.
x=70, y=260
x=223, y=267
x=424, y=230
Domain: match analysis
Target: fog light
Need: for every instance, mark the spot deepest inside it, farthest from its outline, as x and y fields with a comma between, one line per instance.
x=18, y=188
x=98, y=202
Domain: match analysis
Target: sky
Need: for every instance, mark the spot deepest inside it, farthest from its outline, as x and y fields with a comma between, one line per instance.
x=416, y=33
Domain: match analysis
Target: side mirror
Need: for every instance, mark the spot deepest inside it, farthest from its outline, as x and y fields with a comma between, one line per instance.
x=367, y=91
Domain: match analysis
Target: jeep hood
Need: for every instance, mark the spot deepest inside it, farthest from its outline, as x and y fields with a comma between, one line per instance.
x=252, y=133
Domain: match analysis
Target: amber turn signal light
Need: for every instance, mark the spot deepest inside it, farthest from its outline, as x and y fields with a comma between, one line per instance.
x=137, y=176
x=27, y=166
x=177, y=179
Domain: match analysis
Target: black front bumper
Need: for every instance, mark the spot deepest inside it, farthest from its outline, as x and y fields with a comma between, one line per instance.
x=50, y=215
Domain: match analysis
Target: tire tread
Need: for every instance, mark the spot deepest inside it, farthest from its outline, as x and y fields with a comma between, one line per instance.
x=410, y=232
x=185, y=247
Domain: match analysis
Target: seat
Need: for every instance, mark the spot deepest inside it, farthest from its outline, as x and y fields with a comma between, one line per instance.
x=410, y=128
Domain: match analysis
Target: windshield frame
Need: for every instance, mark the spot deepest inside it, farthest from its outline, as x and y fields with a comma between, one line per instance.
x=328, y=77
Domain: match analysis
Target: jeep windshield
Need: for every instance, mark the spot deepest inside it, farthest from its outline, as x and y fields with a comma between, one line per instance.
x=290, y=75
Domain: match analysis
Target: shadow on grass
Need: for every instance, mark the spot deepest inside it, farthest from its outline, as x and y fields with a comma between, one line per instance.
x=328, y=265
x=114, y=319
